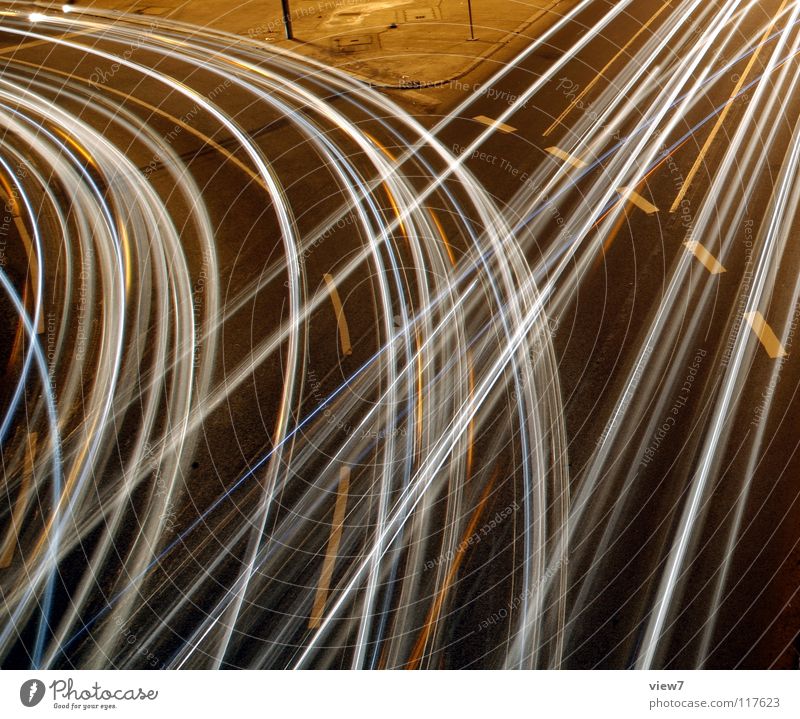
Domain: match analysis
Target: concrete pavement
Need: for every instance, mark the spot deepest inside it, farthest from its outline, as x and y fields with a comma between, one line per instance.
x=401, y=44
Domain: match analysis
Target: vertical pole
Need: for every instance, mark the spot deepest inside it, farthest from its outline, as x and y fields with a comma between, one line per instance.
x=471, y=27
x=287, y=20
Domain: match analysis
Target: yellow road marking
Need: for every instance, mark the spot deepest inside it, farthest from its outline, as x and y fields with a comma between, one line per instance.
x=566, y=157
x=612, y=235
x=80, y=149
x=381, y=147
x=630, y=194
x=418, y=651
x=420, y=406
x=765, y=335
x=493, y=123
x=579, y=98
x=34, y=264
x=9, y=545
x=396, y=211
x=332, y=549
x=440, y=230
x=711, y=263
x=722, y=115
x=169, y=40
x=341, y=320
x=386, y=189
x=471, y=428
x=28, y=244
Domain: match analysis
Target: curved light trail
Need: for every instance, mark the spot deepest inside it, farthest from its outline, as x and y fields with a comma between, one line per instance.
x=282, y=387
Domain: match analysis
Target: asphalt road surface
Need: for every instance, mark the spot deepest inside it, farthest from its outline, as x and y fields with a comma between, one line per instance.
x=297, y=378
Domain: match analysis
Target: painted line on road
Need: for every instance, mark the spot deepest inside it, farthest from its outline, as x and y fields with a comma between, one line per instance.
x=33, y=261
x=765, y=335
x=494, y=123
x=396, y=210
x=612, y=235
x=442, y=234
x=471, y=427
x=722, y=115
x=380, y=146
x=420, y=389
x=630, y=194
x=418, y=652
x=11, y=540
x=341, y=320
x=566, y=157
x=323, y=588
x=711, y=263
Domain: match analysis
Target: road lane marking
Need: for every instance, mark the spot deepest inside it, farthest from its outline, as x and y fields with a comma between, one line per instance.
x=722, y=115
x=80, y=149
x=612, y=235
x=341, y=320
x=396, y=211
x=494, y=123
x=578, y=99
x=442, y=234
x=11, y=540
x=33, y=263
x=765, y=335
x=630, y=194
x=566, y=157
x=712, y=264
x=418, y=651
x=380, y=146
x=331, y=550
x=420, y=386
x=33, y=260
x=471, y=427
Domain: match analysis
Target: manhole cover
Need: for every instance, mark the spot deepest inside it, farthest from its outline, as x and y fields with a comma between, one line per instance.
x=152, y=10
x=420, y=14
x=352, y=43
